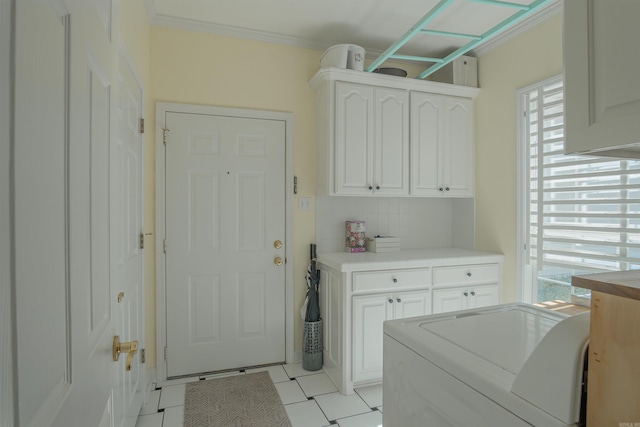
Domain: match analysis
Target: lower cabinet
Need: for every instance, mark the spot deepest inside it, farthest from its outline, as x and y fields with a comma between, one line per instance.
x=463, y=298
x=355, y=304
x=369, y=313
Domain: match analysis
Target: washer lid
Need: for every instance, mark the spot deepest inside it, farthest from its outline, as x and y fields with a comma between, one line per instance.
x=505, y=338
x=551, y=378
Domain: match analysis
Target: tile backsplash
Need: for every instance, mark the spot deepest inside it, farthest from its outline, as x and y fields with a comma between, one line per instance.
x=418, y=222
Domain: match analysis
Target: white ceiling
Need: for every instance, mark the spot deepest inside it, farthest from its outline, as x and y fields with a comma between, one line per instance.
x=373, y=24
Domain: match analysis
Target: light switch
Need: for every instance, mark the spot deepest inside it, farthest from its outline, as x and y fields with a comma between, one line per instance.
x=304, y=203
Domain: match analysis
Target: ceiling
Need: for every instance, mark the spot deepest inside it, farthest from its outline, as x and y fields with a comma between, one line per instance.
x=372, y=24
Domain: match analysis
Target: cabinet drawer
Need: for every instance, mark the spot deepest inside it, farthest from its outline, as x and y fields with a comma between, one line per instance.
x=466, y=275
x=391, y=280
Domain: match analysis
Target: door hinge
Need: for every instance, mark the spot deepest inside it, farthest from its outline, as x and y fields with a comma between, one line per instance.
x=143, y=356
x=141, y=125
x=164, y=135
x=164, y=245
x=141, y=240
x=165, y=353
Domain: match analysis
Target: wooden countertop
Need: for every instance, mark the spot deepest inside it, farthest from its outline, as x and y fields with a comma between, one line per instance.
x=620, y=283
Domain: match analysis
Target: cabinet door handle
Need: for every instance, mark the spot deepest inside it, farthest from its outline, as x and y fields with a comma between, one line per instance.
x=377, y=187
x=466, y=294
x=440, y=189
x=395, y=280
x=390, y=301
x=469, y=274
x=399, y=300
x=370, y=188
x=473, y=293
x=447, y=188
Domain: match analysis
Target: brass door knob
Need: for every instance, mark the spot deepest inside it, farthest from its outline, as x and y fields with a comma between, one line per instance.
x=277, y=244
x=278, y=261
x=130, y=347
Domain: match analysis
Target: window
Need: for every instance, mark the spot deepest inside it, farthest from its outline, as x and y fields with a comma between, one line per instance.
x=579, y=214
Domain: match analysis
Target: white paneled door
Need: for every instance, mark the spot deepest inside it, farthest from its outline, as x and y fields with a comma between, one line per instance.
x=225, y=237
x=68, y=245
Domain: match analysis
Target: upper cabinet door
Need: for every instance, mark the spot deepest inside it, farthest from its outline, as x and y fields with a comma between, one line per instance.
x=442, y=159
x=353, y=139
x=457, y=148
x=602, y=89
x=426, y=133
x=391, y=145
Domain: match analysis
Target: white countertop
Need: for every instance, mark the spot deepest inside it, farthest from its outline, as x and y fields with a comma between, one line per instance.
x=410, y=258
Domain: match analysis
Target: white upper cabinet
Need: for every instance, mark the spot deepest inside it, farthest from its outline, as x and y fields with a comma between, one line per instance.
x=371, y=140
x=602, y=89
x=365, y=145
x=442, y=145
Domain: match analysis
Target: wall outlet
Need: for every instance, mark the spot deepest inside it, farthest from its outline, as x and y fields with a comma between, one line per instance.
x=304, y=203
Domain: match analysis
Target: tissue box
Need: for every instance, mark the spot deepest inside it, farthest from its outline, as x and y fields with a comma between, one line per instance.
x=383, y=244
x=354, y=236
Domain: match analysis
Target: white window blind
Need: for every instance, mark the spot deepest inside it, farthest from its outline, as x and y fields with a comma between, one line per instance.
x=584, y=211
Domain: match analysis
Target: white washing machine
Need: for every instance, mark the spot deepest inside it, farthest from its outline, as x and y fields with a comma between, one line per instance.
x=507, y=365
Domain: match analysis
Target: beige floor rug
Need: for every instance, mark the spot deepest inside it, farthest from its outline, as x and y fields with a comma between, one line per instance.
x=238, y=401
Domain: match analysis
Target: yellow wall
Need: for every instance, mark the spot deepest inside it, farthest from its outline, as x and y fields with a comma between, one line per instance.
x=527, y=59
x=206, y=69
x=199, y=68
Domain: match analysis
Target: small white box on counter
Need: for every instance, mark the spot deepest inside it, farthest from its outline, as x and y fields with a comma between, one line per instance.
x=383, y=244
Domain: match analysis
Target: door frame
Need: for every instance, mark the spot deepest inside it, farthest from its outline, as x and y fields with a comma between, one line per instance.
x=161, y=307
x=8, y=355
x=125, y=56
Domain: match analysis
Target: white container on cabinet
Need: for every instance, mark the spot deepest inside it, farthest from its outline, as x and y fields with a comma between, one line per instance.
x=335, y=56
x=355, y=58
x=461, y=71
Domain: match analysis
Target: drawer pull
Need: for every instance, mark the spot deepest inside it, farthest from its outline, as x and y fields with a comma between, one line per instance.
x=395, y=280
x=469, y=274
x=399, y=300
x=473, y=293
x=466, y=294
x=390, y=301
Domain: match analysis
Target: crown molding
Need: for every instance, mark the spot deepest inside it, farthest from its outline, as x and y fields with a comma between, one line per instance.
x=229, y=30
x=547, y=12
x=531, y=21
